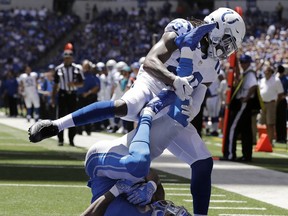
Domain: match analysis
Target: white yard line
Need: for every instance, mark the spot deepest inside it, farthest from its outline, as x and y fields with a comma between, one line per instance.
x=42, y=185
x=247, y=215
x=220, y=201
x=238, y=208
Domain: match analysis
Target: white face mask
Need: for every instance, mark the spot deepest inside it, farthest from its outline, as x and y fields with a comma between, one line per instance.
x=221, y=48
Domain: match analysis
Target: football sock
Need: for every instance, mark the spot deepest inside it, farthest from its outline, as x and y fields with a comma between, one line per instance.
x=201, y=185
x=138, y=161
x=92, y=113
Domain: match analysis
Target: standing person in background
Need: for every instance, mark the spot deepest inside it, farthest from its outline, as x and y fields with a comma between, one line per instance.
x=48, y=88
x=240, y=114
x=29, y=90
x=68, y=78
x=135, y=66
x=88, y=93
x=213, y=103
x=112, y=77
x=271, y=91
x=10, y=90
x=281, y=109
x=117, y=92
x=125, y=78
x=104, y=93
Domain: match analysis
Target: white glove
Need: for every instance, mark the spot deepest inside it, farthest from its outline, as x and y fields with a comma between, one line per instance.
x=182, y=87
x=188, y=110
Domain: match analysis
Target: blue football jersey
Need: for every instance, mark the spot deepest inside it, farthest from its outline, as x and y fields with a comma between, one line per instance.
x=120, y=206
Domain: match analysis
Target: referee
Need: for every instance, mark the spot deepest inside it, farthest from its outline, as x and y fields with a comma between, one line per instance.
x=68, y=77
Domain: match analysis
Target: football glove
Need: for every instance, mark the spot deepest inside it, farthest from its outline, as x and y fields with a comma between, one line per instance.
x=122, y=186
x=192, y=38
x=143, y=194
x=182, y=87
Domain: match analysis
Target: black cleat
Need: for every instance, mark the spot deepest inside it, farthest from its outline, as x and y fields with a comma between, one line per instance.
x=41, y=130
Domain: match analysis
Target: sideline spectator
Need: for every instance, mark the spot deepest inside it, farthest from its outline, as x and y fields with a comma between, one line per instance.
x=104, y=93
x=213, y=104
x=88, y=93
x=46, y=88
x=271, y=91
x=281, y=109
x=10, y=86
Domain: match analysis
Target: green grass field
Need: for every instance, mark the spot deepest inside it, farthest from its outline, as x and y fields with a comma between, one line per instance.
x=45, y=180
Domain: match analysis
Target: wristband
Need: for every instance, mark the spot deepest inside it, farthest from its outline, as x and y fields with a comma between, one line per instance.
x=153, y=184
x=114, y=190
x=147, y=111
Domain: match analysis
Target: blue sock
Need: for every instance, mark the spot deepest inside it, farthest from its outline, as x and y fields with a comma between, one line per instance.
x=36, y=114
x=138, y=161
x=94, y=112
x=201, y=185
x=29, y=112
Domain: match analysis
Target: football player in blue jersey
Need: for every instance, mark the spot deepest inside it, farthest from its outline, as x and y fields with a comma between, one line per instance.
x=116, y=175
x=186, y=60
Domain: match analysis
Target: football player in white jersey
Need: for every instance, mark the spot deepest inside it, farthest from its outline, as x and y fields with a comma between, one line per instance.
x=214, y=102
x=185, y=59
x=29, y=90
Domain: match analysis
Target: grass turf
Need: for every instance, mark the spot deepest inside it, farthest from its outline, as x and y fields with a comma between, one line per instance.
x=43, y=179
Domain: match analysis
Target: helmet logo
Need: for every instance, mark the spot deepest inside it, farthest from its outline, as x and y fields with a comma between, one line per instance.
x=231, y=21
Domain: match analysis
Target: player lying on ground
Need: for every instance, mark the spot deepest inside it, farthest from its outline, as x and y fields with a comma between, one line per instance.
x=126, y=198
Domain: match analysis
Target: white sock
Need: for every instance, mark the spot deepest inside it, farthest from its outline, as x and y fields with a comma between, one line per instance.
x=64, y=122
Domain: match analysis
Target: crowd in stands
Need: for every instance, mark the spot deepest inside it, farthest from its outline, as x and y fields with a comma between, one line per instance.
x=26, y=35
x=123, y=35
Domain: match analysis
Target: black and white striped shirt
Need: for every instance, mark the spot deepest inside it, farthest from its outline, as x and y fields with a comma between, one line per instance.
x=64, y=75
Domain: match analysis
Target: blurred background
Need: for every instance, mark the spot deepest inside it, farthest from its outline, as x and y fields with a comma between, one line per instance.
x=35, y=32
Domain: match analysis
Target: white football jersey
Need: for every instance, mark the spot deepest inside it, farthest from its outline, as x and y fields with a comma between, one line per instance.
x=208, y=67
x=29, y=82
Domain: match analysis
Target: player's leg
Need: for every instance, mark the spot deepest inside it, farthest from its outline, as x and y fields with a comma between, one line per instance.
x=36, y=105
x=190, y=148
x=138, y=161
x=28, y=104
x=95, y=112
